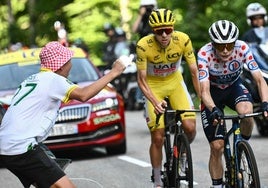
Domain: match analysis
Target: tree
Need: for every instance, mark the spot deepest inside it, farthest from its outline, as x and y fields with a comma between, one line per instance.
x=31, y=21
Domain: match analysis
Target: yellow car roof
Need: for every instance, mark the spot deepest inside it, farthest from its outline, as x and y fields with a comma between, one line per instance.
x=30, y=55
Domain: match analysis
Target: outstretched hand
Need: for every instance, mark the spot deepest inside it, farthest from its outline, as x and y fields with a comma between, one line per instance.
x=126, y=60
x=122, y=62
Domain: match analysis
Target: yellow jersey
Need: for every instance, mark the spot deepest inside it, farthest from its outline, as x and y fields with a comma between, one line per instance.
x=164, y=62
x=163, y=74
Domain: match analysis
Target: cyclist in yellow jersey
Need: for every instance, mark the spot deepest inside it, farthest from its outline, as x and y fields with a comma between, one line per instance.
x=159, y=57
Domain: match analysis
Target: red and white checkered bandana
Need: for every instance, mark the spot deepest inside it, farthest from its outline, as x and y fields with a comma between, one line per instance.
x=54, y=55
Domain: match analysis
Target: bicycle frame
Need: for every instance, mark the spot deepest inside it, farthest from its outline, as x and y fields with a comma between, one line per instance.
x=173, y=150
x=230, y=154
x=233, y=175
x=174, y=171
x=177, y=131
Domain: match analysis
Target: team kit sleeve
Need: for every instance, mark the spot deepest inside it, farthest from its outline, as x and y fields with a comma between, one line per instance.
x=188, y=51
x=141, y=56
x=202, y=65
x=63, y=88
x=249, y=58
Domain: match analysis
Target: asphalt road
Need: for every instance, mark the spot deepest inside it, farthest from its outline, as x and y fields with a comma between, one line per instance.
x=94, y=169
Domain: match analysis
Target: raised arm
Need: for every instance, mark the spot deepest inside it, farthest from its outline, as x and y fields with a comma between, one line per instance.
x=85, y=93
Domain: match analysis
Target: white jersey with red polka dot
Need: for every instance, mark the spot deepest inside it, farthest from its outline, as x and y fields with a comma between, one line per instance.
x=223, y=74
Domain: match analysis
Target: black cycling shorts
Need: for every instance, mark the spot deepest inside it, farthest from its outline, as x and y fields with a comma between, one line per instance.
x=34, y=166
x=230, y=96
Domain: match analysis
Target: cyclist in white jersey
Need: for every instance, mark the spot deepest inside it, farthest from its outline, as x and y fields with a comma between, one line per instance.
x=33, y=112
x=220, y=64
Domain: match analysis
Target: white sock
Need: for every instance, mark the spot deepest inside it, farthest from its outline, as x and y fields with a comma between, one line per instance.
x=157, y=176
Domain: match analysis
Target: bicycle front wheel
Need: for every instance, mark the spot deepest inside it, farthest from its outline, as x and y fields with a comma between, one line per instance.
x=247, y=174
x=182, y=163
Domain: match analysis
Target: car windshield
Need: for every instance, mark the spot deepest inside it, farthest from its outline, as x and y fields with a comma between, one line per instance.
x=82, y=71
x=13, y=74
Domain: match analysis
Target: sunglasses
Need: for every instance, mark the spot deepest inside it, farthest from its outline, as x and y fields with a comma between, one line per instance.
x=257, y=17
x=221, y=47
x=161, y=31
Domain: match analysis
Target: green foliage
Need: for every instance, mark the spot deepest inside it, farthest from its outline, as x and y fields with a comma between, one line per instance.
x=33, y=20
x=87, y=20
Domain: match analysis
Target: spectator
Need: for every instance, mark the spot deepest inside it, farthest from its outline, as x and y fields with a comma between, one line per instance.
x=256, y=18
x=108, y=55
x=141, y=24
x=33, y=112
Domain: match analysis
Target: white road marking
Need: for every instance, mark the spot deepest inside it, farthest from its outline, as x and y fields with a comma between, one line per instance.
x=134, y=161
x=145, y=164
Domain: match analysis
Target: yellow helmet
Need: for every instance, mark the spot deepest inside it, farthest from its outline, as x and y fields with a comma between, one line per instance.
x=161, y=18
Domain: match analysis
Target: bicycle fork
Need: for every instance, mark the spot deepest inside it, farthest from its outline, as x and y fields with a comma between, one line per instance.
x=237, y=138
x=229, y=173
x=169, y=157
x=232, y=175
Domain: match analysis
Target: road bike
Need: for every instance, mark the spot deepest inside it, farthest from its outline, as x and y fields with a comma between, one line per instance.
x=241, y=169
x=178, y=166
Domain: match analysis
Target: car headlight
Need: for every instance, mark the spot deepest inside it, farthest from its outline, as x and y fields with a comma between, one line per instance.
x=106, y=104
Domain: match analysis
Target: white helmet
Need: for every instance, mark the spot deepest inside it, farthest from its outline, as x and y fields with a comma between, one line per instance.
x=254, y=9
x=223, y=31
x=148, y=2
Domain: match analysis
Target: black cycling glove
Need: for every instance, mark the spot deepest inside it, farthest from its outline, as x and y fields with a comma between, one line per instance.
x=264, y=107
x=215, y=114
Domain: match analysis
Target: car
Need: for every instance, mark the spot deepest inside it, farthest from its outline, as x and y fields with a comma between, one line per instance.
x=99, y=122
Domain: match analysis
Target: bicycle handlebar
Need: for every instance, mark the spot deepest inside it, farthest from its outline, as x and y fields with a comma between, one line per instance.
x=235, y=117
x=174, y=111
x=182, y=111
x=241, y=116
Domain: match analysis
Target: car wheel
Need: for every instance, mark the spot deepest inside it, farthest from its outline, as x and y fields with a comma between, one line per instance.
x=262, y=126
x=117, y=149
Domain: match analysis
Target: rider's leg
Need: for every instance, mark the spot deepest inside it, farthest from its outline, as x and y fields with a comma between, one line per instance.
x=180, y=99
x=189, y=127
x=246, y=124
x=157, y=140
x=215, y=162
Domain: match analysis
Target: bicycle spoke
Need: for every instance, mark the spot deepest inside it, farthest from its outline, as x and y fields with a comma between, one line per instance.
x=183, y=163
x=248, y=171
